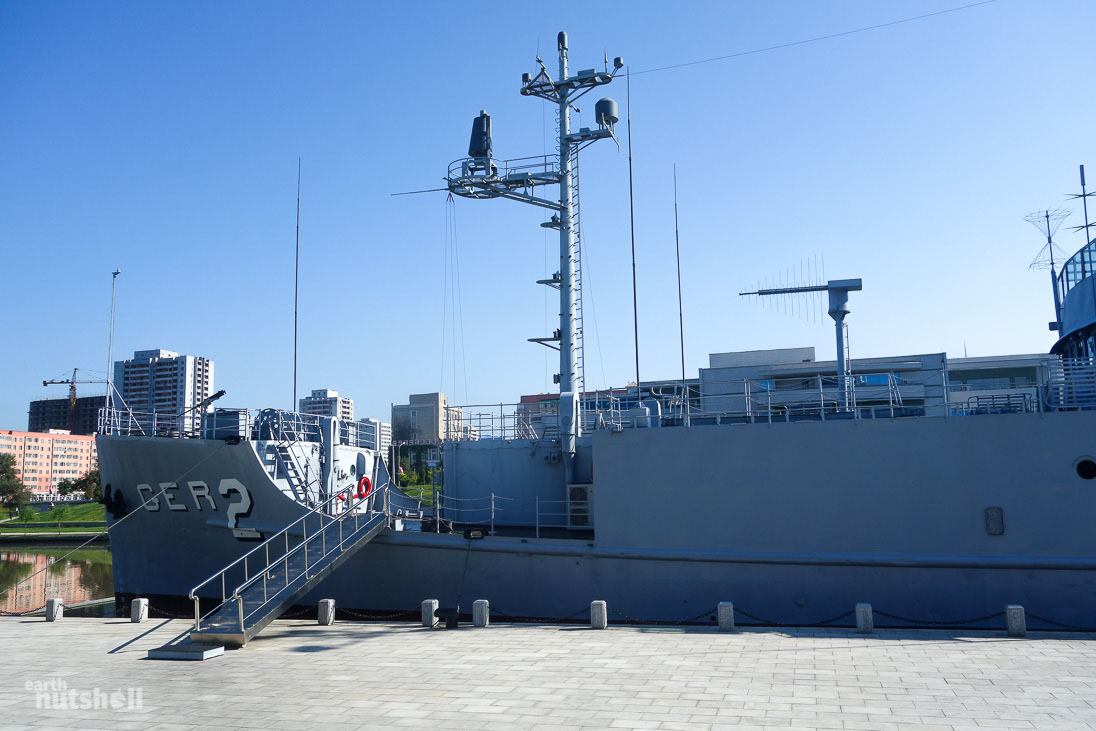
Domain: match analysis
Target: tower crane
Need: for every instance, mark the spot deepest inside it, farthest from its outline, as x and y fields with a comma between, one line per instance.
x=72, y=394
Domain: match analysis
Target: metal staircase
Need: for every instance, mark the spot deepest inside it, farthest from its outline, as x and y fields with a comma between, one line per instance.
x=292, y=473
x=285, y=567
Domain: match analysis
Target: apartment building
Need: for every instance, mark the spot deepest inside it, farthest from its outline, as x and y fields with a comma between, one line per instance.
x=42, y=460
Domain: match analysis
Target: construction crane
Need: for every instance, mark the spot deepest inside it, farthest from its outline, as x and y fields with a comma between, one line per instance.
x=72, y=387
x=72, y=394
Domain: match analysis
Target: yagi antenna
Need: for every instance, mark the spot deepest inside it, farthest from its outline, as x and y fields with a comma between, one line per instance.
x=838, y=294
x=799, y=290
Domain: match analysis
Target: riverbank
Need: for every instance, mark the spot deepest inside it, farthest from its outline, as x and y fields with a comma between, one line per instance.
x=65, y=538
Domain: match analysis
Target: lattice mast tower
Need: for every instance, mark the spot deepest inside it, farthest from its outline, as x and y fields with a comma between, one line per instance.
x=480, y=175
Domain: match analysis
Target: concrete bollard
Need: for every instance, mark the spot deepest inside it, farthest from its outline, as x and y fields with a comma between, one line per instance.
x=599, y=615
x=481, y=613
x=55, y=609
x=1016, y=620
x=138, y=611
x=429, y=606
x=865, y=620
x=325, y=612
x=725, y=615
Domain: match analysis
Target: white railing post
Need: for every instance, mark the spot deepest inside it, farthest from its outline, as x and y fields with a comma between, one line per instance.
x=821, y=398
x=197, y=615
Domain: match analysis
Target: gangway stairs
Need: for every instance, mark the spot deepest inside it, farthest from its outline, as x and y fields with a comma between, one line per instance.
x=285, y=567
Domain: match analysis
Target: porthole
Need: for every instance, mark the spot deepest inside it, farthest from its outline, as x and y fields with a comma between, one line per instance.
x=1086, y=468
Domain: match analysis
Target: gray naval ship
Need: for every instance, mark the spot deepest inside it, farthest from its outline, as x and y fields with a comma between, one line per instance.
x=939, y=491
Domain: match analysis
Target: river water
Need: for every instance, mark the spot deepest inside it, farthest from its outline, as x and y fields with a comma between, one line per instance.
x=30, y=574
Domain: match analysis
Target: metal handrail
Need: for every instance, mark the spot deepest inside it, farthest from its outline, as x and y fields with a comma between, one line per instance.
x=346, y=494
x=322, y=535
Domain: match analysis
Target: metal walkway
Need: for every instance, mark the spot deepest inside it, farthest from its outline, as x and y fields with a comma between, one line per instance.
x=282, y=569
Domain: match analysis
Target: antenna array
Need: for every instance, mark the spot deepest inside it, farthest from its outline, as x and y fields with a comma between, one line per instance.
x=797, y=291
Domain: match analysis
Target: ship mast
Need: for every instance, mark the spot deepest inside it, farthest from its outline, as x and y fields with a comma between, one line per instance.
x=480, y=175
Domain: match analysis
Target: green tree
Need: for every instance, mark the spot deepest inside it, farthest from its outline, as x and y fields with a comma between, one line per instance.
x=88, y=485
x=13, y=495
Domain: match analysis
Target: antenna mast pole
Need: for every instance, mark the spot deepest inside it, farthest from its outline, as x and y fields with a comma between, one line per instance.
x=110, y=349
x=680, y=310
x=569, y=402
x=296, y=279
x=480, y=175
x=632, y=224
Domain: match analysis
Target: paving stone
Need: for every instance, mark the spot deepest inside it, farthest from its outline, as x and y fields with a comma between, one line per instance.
x=550, y=678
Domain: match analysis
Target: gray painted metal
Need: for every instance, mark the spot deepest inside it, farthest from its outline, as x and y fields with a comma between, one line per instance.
x=797, y=528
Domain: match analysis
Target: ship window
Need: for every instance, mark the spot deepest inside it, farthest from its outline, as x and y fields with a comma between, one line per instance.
x=1086, y=469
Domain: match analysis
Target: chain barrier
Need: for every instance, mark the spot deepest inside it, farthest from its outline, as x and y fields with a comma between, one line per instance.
x=547, y=620
x=819, y=623
x=382, y=617
x=755, y=618
x=939, y=623
x=170, y=615
x=824, y=622
x=1063, y=625
x=296, y=614
x=692, y=620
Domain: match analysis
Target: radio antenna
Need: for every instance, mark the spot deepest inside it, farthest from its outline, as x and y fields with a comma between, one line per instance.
x=1048, y=221
x=680, y=310
x=296, y=279
x=632, y=222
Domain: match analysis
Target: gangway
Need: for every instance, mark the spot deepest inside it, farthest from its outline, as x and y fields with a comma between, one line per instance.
x=279, y=571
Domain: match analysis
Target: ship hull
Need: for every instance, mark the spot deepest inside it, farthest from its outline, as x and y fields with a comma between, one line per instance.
x=779, y=520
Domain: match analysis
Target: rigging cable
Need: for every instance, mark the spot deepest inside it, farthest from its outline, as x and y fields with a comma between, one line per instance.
x=587, y=285
x=444, y=295
x=815, y=39
x=459, y=308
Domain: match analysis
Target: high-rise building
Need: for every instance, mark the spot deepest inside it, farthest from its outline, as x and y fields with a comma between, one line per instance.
x=59, y=413
x=165, y=384
x=43, y=460
x=427, y=417
x=383, y=432
x=325, y=402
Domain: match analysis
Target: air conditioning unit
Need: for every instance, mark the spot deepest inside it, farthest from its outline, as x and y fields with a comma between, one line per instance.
x=580, y=506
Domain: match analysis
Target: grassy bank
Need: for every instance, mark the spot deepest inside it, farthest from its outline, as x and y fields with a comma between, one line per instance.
x=85, y=513
x=420, y=492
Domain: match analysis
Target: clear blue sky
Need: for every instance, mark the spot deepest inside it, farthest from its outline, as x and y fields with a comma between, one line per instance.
x=163, y=138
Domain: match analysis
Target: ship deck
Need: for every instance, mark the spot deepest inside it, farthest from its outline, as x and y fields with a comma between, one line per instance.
x=358, y=674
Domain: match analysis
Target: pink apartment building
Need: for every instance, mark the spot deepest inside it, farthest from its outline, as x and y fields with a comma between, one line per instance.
x=43, y=459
